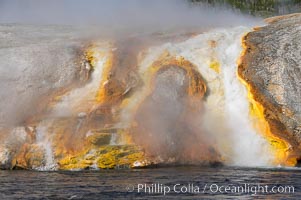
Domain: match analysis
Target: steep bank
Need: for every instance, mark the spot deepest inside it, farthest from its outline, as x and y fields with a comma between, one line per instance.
x=272, y=67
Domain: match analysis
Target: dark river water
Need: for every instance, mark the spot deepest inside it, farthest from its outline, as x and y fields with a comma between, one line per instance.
x=176, y=182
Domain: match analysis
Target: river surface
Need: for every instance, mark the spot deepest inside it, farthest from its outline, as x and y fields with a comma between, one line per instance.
x=124, y=184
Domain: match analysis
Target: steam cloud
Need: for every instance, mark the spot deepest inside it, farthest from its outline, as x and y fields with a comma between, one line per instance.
x=27, y=73
x=169, y=124
x=38, y=62
x=132, y=16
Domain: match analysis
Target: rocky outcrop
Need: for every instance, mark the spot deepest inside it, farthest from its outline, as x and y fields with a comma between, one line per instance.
x=271, y=66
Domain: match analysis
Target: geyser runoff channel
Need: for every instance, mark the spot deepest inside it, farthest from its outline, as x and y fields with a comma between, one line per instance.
x=227, y=109
x=225, y=123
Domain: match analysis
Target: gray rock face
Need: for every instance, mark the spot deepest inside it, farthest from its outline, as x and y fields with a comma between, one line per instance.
x=34, y=61
x=272, y=67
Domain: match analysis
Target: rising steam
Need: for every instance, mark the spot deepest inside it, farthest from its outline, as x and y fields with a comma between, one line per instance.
x=97, y=19
x=185, y=105
x=129, y=16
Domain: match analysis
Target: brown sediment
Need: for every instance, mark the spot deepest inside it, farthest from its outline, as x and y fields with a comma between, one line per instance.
x=263, y=110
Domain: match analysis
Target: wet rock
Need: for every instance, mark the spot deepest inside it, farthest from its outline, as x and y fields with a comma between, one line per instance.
x=99, y=139
x=12, y=143
x=105, y=157
x=5, y=158
x=30, y=157
x=272, y=67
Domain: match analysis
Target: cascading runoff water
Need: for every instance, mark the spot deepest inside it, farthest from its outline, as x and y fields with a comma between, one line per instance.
x=245, y=146
x=44, y=142
x=169, y=79
x=249, y=146
x=223, y=126
x=226, y=116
